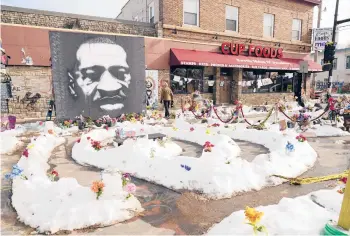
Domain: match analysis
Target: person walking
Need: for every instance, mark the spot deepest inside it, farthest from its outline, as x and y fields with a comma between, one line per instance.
x=166, y=98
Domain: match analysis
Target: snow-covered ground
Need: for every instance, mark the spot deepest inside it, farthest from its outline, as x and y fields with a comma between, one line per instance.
x=291, y=216
x=51, y=206
x=9, y=141
x=217, y=174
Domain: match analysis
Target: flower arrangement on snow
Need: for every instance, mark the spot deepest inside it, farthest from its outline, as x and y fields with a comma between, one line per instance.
x=97, y=187
x=343, y=180
x=96, y=145
x=289, y=147
x=301, y=138
x=207, y=146
x=52, y=175
x=253, y=216
x=16, y=171
x=105, y=120
x=130, y=188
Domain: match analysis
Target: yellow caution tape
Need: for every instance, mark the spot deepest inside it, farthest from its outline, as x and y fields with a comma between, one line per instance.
x=310, y=180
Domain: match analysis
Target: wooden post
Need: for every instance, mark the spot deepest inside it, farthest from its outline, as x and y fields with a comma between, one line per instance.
x=344, y=217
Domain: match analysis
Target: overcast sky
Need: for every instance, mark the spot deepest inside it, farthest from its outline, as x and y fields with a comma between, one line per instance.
x=111, y=9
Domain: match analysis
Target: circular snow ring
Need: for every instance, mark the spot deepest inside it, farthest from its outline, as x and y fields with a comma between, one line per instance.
x=217, y=174
x=65, y=205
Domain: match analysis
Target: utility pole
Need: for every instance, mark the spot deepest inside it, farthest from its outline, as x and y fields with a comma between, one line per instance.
x=333, y=40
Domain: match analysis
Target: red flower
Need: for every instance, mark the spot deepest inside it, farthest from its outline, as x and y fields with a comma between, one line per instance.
x=191, y=129
x=55, y=173
x=88, y=138
x=78, y=141
x=344, y=180
x=25, y=153
x=106, y=127
x=40, y=123
x=208, y=145
x=215, y=125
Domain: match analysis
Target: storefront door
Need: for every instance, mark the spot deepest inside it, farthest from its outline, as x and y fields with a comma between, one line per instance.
x=225, y=89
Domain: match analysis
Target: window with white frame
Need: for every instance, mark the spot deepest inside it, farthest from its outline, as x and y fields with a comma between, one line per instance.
x=296, y=29
x=348, y=62
x=151, y=12
x=269, y=21
x=232, y=18
x=191, y=12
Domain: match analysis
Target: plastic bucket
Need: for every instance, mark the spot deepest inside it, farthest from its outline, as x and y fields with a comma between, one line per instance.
x=331, y=229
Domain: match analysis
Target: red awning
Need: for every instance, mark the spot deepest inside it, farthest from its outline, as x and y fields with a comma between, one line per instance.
x=202, y=58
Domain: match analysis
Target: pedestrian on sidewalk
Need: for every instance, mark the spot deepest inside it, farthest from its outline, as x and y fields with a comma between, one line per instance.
x=166, y=98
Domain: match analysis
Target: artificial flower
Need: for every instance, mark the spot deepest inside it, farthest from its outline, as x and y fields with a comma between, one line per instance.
x=344, y=180
x=207, y=131
x=30, y=146
x=175, y=129
x=341, y=191
x=253, y=216
x=191, y=129
x=96, y=145
x=215, y=125
x=130, y=188
x=88, y=138
x=55, y=173
x=97, y=187
x=186, y=167
x=301, y=138
x=16, y=171
x=78, y=141
x=25, y=153
x=41, y=123
x=106, y=127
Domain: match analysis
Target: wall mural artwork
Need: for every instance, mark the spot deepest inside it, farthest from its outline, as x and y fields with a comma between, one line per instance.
x=96, y=75
x=152, y=88
x=31, y=100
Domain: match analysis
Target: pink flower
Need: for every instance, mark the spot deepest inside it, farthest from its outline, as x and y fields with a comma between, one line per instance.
x=41, y=123
x=106, y=127
x=78, y=141
x=88, y=138
x=25, y=153
x=130, y=188
x=142, y=130
x=191, y=129
x=344, y=180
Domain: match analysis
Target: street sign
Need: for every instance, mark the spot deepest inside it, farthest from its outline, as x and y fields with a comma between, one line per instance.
x=321, y=37
x=304, y=67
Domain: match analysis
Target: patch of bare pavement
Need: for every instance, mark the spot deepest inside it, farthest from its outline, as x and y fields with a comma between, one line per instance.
x=168, y=212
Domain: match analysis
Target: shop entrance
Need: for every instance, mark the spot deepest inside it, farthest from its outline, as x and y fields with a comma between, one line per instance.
x=224, y=83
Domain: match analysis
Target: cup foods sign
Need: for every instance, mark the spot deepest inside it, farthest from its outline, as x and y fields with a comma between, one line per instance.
x=321, y=37
x=251, y=50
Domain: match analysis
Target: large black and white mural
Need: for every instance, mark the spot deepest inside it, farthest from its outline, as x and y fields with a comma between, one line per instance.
x=96, y=75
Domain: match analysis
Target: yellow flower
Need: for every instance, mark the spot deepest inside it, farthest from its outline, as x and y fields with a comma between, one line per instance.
x=252, y=215
x=133, y=120
x=175, y=129
x=30, y=146
x=207, y=131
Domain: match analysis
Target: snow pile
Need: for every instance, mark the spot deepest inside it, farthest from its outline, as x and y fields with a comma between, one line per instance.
x=65, y=205
x=217, y=174
x=298, y=216
x=9, y=141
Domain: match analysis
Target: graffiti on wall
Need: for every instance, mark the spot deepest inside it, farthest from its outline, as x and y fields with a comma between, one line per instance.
x=30, y=100
x=27, y=60
x=152, y=88
x=96, y=75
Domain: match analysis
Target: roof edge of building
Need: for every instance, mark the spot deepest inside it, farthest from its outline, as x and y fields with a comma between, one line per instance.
x=71, y=15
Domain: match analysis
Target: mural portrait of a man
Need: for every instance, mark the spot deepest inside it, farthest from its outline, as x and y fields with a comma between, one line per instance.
x=105, y=74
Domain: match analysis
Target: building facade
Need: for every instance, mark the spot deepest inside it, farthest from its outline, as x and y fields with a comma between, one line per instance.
x=272, y=24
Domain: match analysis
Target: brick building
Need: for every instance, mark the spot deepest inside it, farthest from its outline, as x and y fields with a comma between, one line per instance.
x=206, y=24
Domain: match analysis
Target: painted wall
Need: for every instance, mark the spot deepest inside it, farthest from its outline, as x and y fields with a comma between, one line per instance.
x=96, y=75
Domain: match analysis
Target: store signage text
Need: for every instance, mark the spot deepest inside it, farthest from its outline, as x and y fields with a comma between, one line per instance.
x=252, y=50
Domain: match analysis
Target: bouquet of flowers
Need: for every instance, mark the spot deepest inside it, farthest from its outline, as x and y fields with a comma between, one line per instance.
x=53, y=175
x=16, y=171
x=301, y=138
x=207, y=146
x=97, y=187
x=253, y=216
x=96, y=145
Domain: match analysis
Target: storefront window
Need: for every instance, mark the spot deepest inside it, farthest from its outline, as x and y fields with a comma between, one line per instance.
x=186, y=80
x=268, y=82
